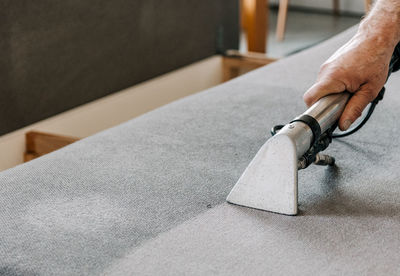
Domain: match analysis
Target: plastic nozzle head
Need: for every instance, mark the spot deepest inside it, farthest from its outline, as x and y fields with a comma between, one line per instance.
x=269, y=183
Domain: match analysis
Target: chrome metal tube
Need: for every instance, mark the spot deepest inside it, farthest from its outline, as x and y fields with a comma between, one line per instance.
x=326, y=111
x=300, y=134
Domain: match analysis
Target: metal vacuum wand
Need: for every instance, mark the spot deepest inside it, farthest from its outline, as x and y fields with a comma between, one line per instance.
x=270, y=180
x=312, y=131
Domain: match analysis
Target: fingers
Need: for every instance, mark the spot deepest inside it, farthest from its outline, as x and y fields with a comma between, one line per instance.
x=355, y=106
x=321, y=89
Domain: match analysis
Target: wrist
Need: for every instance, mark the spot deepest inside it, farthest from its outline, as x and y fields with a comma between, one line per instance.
x=382, y=24
x=384, y=35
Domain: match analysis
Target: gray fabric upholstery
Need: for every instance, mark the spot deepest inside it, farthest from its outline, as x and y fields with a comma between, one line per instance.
x=148, y=197
x=56, y=55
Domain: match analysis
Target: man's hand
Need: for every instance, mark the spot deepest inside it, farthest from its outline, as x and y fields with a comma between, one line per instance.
x=360, y=66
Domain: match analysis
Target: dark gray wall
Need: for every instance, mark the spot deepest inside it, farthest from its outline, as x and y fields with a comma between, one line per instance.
x=55, y=55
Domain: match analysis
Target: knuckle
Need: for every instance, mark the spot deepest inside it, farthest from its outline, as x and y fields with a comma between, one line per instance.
x=323, y=66
x=323, y=84
x=307, y=98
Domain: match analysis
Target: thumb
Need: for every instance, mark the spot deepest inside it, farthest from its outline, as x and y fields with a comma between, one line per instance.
x=354, y=108
x=321, y=89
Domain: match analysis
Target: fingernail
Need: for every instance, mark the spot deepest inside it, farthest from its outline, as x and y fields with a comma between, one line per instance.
x=346, y=124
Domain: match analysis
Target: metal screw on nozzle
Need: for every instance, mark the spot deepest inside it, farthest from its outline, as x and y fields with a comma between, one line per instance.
x=320, y=160
x=324, y=160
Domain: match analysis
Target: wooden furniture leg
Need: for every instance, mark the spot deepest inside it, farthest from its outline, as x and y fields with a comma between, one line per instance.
x=282, y=18
x=336, y=9
x=255, y=21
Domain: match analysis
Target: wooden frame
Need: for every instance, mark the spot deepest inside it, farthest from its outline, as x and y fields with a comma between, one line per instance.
x=40, y=143
x=236, y=63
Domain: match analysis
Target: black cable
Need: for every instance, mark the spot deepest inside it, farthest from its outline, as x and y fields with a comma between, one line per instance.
x=371, y=109
x=394, y=66
x=369, y=113
x=360, y=125
x=275, y=129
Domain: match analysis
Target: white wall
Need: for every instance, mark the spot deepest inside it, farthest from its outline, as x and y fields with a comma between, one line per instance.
x=356, y=6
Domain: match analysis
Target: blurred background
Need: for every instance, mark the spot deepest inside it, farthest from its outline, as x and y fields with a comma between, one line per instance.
x=69, y=69
x=291, y=26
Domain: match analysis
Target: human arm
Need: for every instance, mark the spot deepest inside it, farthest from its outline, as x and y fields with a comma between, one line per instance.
x=361, y=65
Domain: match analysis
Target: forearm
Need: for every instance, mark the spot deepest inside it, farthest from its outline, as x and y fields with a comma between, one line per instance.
x=382, y=24
x=361, y=65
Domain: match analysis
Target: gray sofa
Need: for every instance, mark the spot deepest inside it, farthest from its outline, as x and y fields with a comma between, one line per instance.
x=148, y=197
x=56, y=55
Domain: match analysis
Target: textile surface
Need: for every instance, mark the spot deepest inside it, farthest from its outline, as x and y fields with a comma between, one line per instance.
x=148, y=197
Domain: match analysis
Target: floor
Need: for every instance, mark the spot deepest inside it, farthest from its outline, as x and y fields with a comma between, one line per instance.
x=303, y=29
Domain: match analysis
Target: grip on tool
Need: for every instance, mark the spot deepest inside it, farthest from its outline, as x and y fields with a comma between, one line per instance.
x=312, y=123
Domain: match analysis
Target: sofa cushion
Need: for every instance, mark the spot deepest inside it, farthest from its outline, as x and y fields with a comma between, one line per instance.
x=148, y=197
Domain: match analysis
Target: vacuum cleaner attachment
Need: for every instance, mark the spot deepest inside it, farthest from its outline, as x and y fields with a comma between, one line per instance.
x=270, y=181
